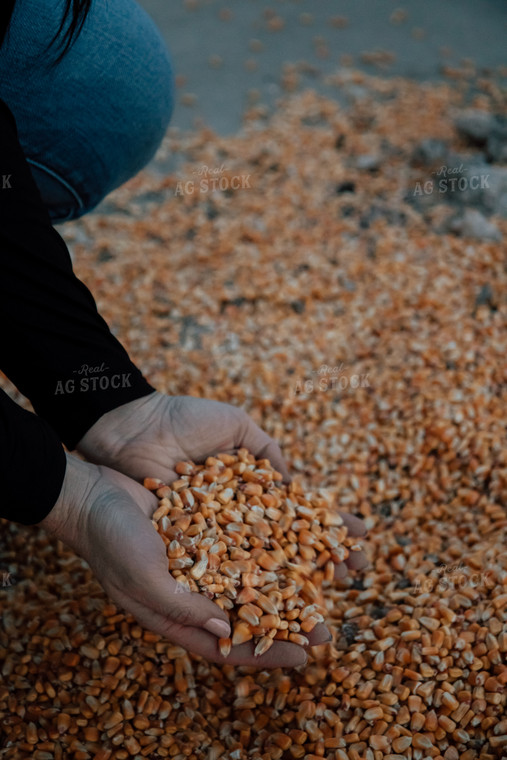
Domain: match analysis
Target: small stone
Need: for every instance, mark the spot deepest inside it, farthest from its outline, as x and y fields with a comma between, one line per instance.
x=475, y=183
x=485, y=297
x=368, y=162
x=350, y=631
x=475, y=125
x=298, y=306
x=385, y=509
x=429, y=152
x=475, y=225
x=497, y=141
x=377, y=612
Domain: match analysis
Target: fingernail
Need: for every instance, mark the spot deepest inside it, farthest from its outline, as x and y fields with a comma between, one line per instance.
x=219, y=627
x=303, y=661
x=324, y=641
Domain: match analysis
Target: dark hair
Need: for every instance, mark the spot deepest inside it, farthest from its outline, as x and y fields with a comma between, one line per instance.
x=77, y=10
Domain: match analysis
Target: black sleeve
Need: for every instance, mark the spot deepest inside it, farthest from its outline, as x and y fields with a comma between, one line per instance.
x=32, y=465
x=54, y=345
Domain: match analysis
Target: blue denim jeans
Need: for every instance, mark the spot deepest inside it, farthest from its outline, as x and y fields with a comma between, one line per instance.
x=93, y=121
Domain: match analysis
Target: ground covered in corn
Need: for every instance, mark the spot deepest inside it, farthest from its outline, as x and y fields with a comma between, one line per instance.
x=366, y=336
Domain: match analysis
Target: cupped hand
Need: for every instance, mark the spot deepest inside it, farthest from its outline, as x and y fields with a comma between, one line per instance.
x=147, y=436
x=104, y=516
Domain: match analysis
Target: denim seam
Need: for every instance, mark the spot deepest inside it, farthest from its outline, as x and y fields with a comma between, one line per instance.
x=63, y=182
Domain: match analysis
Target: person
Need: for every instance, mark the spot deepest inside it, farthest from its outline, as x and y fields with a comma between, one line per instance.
x=77, y=118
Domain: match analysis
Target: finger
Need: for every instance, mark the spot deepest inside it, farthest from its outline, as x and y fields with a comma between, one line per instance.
x=281, y=654
x=183, y=608
x=357, y=560
x=355, y=525
x=199, y=641
x=253, y=438
x=192, y=638
x=148, y=580
x=318, y=635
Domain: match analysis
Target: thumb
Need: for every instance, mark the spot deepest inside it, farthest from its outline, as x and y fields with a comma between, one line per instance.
x=185, y=618
x=157, y=590
x=144, y=581
x=253, y=438
x=167, y=607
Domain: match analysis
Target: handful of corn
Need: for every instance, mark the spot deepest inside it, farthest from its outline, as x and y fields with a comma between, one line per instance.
x=262, y=550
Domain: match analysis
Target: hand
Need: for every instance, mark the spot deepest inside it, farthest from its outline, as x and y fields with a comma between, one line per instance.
x=147, y=436
x=104, y=517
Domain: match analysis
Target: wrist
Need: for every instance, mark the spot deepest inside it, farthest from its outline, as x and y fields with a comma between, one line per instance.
x=103, y=442
x=65, y=519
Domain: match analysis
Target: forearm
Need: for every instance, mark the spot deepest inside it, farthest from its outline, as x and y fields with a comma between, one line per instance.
x=54, y=345
x=33, y=464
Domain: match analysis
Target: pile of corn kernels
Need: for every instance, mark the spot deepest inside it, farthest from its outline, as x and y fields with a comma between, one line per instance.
x=259, y=549
x=354, y=331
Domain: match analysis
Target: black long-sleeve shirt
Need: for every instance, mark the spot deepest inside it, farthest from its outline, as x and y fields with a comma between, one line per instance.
x=54, y=345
